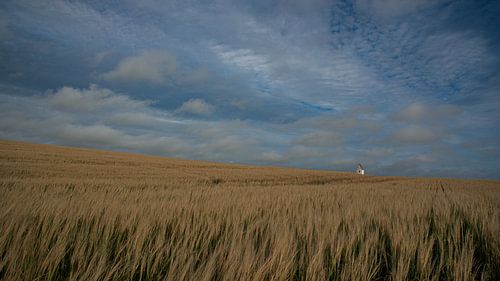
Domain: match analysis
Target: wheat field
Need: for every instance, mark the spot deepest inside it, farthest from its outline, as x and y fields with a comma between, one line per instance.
x=82, y=214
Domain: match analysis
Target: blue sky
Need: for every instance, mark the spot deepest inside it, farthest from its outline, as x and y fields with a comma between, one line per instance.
x=404, y=87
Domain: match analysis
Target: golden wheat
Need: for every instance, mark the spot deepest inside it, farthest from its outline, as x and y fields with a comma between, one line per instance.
x=81, y=214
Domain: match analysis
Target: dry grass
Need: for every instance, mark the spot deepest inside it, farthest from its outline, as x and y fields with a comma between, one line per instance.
x=77, y=214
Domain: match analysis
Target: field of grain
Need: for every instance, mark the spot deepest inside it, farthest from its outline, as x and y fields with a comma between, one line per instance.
x=81, y=214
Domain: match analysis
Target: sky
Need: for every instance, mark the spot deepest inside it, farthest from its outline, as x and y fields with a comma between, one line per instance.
x=406, y=87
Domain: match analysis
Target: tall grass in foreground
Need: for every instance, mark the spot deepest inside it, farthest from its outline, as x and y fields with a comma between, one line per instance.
x=220, y=224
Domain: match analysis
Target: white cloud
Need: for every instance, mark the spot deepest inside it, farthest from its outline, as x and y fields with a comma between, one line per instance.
x=149, y=130
x=336, y=123
x=196, y=107
x=90, y=100
x=415, y=134
x=270, y=157
x=131, y=119
x=92, y=134
x=425, y=158
x=418, y=112
x=153, y=66
x=123, y=123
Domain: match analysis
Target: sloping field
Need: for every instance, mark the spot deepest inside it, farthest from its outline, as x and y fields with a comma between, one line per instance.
x=81, y=214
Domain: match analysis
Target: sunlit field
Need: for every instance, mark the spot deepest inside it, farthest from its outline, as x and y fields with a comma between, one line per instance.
x=81, y=214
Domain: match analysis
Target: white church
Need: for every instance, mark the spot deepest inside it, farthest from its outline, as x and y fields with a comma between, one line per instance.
x=360, y=170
